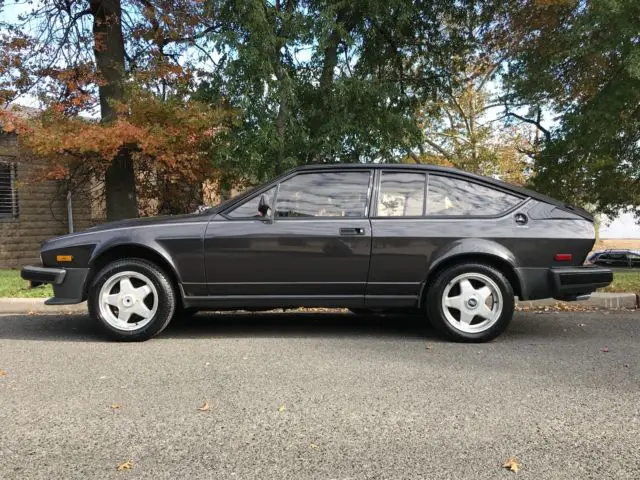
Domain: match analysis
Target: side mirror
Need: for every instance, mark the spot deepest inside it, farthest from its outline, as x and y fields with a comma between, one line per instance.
x=263, y=206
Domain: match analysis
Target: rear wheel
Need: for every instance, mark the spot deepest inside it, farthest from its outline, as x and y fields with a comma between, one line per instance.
x=470, y=302
x=132, y=299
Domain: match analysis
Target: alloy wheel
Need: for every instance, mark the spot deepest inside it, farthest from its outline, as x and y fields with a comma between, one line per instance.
x=472, y=302
x=128, y=300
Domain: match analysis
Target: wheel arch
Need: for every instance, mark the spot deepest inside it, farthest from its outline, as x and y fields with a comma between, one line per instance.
x=107, y=254
x=491, y=254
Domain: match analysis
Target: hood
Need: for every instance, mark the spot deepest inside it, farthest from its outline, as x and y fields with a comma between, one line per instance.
x=147, y=221
x=134, y=223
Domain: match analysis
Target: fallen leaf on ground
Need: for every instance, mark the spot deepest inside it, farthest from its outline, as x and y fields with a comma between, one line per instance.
x=512, y=464
x=204, y=407
x=428, y=347
x=282, y=408
x=313, y=445
x=128, y=465
x=605, y=349
x=114, y=406
x=3, y=373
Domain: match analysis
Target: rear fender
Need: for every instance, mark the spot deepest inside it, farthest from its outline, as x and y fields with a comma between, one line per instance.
x=472, y=249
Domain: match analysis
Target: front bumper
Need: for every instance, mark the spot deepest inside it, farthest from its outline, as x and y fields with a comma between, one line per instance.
x=39, y=275
x=68, y=283
x=571, y=282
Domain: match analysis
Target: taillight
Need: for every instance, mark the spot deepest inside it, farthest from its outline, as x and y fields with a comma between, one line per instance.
x=563, y=257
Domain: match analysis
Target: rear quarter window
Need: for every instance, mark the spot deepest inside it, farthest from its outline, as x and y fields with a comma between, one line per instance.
x=449, y=196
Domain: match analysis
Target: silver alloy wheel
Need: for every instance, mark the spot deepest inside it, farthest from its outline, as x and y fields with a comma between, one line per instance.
x=475, y=296
x=126, y=306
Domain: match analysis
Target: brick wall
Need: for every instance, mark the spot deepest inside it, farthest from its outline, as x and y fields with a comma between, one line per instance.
x=42, y=211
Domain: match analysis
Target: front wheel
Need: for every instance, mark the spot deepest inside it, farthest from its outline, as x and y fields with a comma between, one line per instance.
x=470, y=302
x=132, y=299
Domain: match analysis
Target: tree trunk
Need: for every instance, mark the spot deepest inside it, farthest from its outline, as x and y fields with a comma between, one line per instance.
x=120, y=184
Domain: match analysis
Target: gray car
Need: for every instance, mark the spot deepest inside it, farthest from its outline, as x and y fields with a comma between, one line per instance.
x=455, y=246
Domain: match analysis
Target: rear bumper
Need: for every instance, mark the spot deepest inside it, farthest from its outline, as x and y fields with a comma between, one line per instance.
x=569, y=282
x=68, y=283
x=562, y=283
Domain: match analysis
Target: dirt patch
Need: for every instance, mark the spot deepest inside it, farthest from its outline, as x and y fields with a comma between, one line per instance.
x=615, y=243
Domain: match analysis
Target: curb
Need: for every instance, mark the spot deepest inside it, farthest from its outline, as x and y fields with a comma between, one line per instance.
x=28, y=306
x=611, y=301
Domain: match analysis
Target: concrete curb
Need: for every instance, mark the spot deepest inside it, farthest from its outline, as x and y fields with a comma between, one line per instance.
x=36, y=305
x=22, y=306
x=597, y=300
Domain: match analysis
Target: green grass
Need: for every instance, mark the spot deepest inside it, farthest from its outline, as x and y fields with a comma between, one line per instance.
x=11, y=285
x=624, y=281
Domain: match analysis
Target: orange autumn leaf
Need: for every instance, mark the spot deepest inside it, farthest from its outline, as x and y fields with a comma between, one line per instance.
x=126, y=465
x=512, y=464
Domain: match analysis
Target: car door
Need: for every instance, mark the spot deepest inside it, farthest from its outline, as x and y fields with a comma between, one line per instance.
x=312, y=247
x=618, y=260
x=634, y=260
x=602, y=259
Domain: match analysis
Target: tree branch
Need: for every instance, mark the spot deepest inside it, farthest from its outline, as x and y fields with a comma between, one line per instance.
x=536, y=122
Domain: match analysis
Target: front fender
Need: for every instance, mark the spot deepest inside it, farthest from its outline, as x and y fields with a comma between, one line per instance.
x=152, y=246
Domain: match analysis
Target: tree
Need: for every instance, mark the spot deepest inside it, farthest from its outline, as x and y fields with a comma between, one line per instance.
x=463, y=126
x=324, y=80
x=85, y=53
x=580, y=61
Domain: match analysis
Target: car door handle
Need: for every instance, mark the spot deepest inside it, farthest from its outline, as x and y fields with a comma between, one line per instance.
x=352, y=231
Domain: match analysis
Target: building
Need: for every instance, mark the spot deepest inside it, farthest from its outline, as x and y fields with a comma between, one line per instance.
x=32, y=211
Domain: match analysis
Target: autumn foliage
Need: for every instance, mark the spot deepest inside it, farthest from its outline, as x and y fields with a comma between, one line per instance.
x=168, y=141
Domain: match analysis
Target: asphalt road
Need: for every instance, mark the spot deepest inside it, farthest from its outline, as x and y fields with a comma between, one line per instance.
x=321, y=396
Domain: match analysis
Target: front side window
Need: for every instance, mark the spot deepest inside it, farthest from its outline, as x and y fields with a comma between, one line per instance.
x=249, y=209
x=401, y=194
x=324, y=194
x=455, y=197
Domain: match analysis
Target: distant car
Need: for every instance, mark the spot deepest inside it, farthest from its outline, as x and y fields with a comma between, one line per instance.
x=615, y=258
x=452, y=245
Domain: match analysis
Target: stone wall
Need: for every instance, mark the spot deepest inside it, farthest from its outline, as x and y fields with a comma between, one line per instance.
x=41, y=214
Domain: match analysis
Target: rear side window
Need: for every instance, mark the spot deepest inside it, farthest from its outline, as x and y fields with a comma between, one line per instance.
x=455, y=197
x=401, y=194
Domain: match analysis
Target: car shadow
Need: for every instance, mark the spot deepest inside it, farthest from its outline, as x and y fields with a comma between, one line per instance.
x=228, y=325
x=79, y=327
x=299, y=324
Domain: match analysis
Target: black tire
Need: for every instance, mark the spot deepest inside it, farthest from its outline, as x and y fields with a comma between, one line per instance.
x=166, y=301
x=435, y=310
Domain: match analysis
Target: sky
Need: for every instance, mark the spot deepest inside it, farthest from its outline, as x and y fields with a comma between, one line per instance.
x=624, y=226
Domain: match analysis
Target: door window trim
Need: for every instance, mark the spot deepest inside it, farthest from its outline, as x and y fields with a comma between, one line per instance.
x=277, y=182
x=367, y=206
